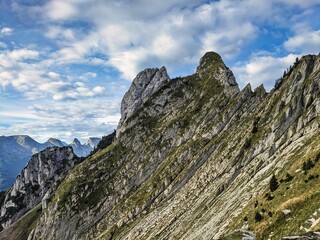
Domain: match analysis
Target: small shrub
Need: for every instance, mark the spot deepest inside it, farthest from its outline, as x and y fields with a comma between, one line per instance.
x=258, y=217
x=307, y=165
x=269, y=196
x=256, y=204
x=288, y=177
x=254, y=129
x=247, y=144
x=255, y=125
x=273, y=183
x=245, y=219
x=270, y=214
x=278, y=82
x=311, y=177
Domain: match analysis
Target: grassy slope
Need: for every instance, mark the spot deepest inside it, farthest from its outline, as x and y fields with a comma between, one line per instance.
x=21, y=229
x=294, y=206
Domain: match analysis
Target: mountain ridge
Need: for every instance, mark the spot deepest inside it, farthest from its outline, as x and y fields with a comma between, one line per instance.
x=191, y=161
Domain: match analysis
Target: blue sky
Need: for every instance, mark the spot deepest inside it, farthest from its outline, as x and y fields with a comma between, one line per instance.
x=65, y=65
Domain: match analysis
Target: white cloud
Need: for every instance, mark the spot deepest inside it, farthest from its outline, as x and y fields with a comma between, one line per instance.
x=137, y=35
x=140, y=34
x=87, y=76
x=54, y=75
x=263, y=70
x=35, y=80
x=45, y=119
x=6, y=31
x=58, y=32
x=60, y=10
x=77, y=92
x=5, y=78
x=129, y=36
x=229, y=43
x=304, y=42
x=22, y=54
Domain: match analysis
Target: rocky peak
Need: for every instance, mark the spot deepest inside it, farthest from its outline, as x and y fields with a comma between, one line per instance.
x=76, y=142
x=26, y=141
x=56, y=142
x=30, y=186
x=143, y=86
x=212, y=66
x=93, y=141
x=300, y=72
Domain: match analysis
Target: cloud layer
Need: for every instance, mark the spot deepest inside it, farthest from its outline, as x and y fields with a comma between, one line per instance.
x=69, y=62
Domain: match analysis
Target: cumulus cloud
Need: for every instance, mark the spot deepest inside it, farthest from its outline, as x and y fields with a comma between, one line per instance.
x=58, y=32
x=128, y=36
x=6, y=31
x=35, y=79
x=304, y=42
x=172, y=33
x=22, y=54
x=87, y=76
x=63, y=121
x=263, y=70
x=135, y=35
x=60, y=10
x=230, y=43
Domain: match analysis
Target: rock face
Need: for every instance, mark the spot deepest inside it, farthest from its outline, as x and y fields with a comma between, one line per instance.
x=145, y=84
x=194, y=159
x=34, y=181
x=15, y=151
x=56, y=142
x=212, y=66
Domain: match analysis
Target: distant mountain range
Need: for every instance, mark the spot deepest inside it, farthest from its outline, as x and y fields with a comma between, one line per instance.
x=15, y=151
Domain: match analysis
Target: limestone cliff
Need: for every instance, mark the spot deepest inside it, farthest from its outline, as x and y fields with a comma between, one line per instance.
x=145, y=84
x=34, y=181
x=193, y=160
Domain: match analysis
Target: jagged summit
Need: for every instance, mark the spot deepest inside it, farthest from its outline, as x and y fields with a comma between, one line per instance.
x=212, y=66
x=25, y=140
x=146, y=83
x=56, y=142
x=93, y=141
x=150, y=80
x=76, y=142
x=209, y=60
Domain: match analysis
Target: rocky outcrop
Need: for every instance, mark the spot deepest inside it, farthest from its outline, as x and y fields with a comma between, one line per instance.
x=212, y=66
x=34, y=181
x=309, y=236
x=145, y=84
x=56, y=142
x=93, y=142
